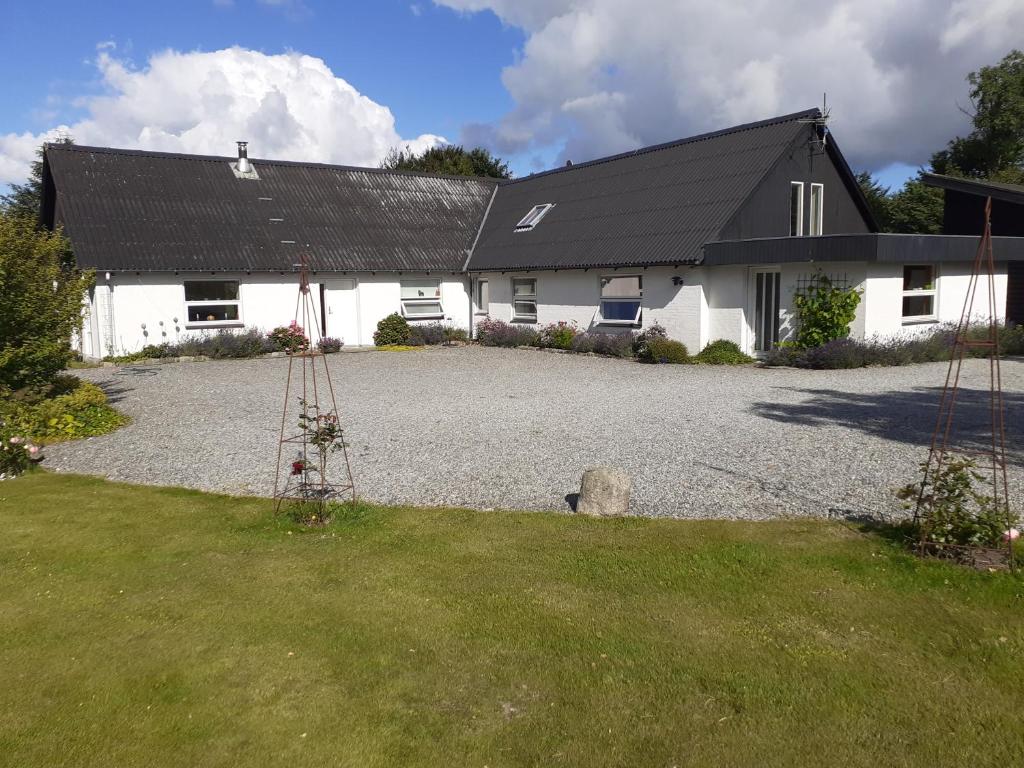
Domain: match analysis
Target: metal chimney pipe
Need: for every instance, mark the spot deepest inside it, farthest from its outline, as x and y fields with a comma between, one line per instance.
x=243, y=157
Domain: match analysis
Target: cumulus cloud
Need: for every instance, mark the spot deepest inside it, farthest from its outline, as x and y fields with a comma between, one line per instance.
x=288, y=106
x=602, y=76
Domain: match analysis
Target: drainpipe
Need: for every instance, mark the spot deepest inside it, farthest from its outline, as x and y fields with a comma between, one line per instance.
x=111, y=348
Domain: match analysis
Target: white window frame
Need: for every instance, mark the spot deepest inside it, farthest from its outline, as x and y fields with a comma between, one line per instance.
x=800, y=209
x=482, y=307
x=189, y=305
x=532, y=219
x=933, y=292
x=817, y=216
x=519, y=317
x=639, y=299
x=425, y=301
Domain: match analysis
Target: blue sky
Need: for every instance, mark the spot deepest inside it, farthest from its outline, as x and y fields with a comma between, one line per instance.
x=537, y=81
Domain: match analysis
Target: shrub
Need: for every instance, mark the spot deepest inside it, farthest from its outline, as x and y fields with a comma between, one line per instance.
x=41, y=304
x=722, y=352
x=496, y=333
x=839, y=353
x=432, y=334
x=640, y=341
x=17, y=453
x=393, y=329
x=557, y=335
x=289, y=338
x=65, y=412
x=611, y=344
x=658, y=350
x=824, y=311
x=329, y=345
x=956, y=512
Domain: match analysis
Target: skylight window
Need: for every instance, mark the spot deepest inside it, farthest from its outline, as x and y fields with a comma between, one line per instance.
x=532, y=219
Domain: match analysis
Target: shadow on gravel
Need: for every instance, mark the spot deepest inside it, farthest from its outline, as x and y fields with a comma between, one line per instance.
x=115, y=392
x=905, y=416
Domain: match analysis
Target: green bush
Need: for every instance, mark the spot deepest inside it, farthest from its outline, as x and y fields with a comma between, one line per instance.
x=824, y=311
x=722, y=352
x=557, y=335
x=287, y=338
x=40, y=302
x=393, y=329
x=640, y=341
x=658, y=350
x=64, y=412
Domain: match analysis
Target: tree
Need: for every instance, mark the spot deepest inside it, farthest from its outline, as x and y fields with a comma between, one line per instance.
x=40, y=302
x=27, y=199
x=994, y=149
x=916, y=209
x=450, y=160
x=878, y=198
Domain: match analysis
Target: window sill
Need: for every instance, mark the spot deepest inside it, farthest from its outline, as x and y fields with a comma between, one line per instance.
x=527, y=320
x=214, y=324
x=621, y=323
x=919, y=320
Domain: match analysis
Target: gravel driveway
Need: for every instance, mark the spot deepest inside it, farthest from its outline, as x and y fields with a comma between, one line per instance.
x=493, y=428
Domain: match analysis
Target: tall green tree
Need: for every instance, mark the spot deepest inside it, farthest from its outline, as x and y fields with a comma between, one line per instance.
x=878, y=198
x=916, y=209
x=994, y=149
x=40, y=302
x=450, y=160
x=27, y=199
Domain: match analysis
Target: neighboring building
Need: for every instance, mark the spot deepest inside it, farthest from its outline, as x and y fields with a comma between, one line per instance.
x=709, y=236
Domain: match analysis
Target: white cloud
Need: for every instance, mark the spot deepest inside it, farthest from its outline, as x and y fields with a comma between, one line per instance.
x=894, y=69
x=288, y=106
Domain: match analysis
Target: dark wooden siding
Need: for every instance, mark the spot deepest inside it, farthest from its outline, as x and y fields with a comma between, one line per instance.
x=964, y=214
x=766, y=211
x=1015, y=293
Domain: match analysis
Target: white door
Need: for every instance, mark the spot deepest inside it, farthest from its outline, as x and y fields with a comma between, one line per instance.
x=341, y=307
x=765, y=287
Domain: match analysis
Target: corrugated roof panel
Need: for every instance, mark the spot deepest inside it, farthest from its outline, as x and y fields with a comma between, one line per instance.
x=130, y=210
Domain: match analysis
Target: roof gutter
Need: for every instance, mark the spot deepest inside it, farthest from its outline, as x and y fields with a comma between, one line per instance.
x=480, y=229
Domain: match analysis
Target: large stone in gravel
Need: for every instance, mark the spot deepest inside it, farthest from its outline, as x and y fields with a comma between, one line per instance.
x=604, y=492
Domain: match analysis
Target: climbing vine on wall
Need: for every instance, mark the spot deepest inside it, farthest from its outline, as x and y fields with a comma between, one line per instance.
x=824, y=310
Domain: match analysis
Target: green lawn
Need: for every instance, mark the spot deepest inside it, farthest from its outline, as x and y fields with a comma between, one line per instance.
x=163, y=627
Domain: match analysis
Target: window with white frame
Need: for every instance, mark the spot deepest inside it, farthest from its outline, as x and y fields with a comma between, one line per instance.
x=524, y=299
x=918, y=292
x=621, y=299
x=796, y=208
x=483, y=297
x=421, y=299
x=532, y=219
x=212, y=302
x=817, y=208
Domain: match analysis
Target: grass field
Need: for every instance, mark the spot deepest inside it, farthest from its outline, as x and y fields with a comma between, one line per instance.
x=163, y=627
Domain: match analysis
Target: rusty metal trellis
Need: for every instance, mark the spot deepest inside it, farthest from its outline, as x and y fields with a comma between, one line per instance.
x=307, y=466
x=994, y=453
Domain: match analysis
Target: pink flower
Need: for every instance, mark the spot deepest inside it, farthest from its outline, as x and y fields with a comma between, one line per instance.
x=33, y=450
x=1011, y=535
x=15, y=440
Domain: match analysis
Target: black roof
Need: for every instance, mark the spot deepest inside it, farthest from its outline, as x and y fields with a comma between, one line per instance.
x=1010, y=193
x=155, y=211
x=656, y=205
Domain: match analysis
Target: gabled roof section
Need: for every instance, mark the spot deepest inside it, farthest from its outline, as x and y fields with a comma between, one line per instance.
x=1010, y=193
x=656, y=205
x=152, y=211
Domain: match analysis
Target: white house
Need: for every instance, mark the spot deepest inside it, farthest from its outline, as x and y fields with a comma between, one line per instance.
x=710, y=236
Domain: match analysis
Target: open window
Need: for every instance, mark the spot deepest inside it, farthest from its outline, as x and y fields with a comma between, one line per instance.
x=621, y=300
x=421, y=299
x=918, y=293
x=524, y=300
x=796, y=208
x=532, y=219
x=817, y=208
x=212, y=303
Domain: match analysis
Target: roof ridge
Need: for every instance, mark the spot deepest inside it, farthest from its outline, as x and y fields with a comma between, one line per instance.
x=64, y=147
x=806, y=113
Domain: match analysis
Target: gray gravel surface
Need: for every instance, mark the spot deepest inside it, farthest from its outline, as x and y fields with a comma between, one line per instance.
x=492, y=428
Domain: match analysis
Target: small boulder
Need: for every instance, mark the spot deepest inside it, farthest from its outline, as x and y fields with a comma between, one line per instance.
x=604, y=492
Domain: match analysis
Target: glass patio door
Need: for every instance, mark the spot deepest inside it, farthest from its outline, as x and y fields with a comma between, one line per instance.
x=766, y=284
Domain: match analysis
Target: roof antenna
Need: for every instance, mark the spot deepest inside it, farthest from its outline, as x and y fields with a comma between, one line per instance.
x=820, y=141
